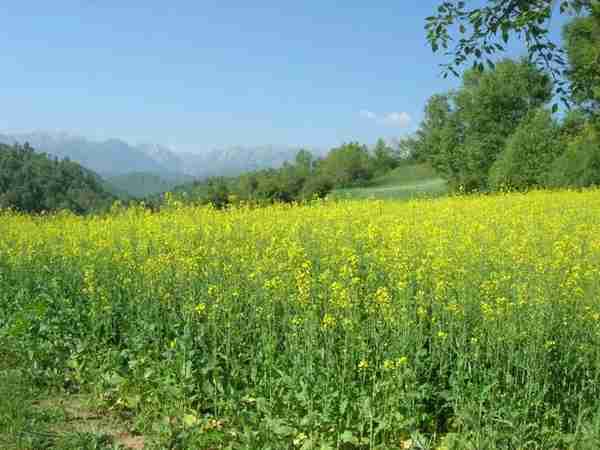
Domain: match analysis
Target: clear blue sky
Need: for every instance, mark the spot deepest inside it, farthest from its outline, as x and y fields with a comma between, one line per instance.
x=200, y=74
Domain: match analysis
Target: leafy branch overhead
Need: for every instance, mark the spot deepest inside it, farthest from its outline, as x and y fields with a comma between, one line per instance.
x=474, y=34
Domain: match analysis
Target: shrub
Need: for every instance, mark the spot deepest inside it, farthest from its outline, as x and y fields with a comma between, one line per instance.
x=579, y=165
x=528, y=155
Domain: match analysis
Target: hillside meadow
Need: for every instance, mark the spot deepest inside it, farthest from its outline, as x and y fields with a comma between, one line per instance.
x=408, y=181
x=458, y=322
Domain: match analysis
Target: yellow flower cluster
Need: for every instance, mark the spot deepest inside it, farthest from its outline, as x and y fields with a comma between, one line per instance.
x=418, y=266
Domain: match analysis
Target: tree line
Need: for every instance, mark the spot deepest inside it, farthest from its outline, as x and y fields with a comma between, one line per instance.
x=306, y=178
x=35, y=182
x=498, y=131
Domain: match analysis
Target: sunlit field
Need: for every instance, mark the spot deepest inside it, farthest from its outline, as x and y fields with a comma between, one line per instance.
x=463, y=322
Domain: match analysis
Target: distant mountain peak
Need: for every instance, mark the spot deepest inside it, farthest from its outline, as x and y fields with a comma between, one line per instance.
x=115, y=157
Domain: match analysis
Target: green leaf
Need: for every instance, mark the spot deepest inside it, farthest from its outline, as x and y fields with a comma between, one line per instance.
x=133, y=401
x=347, y=437
x=114, y=379
x=475, y=15
x=343, y=407
x=280, y=428
x=309, y=444
x=189, y=420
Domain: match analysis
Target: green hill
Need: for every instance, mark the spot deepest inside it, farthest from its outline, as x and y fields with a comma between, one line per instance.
x=34, y=182
x=410, y=180
x=141, y=184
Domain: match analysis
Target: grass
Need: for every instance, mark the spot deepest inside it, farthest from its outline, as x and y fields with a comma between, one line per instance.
x=34, y=417
x=405, y=182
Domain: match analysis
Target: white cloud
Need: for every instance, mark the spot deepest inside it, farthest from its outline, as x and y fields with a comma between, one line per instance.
x=397, y=119
x=393, y=119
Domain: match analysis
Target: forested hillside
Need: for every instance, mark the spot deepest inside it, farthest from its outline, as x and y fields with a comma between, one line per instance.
x=33, y=182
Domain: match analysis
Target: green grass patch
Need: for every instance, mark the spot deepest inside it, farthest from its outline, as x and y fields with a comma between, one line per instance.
x=405, y=182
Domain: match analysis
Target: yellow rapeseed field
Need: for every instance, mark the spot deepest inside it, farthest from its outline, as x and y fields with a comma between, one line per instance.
x=348, y=323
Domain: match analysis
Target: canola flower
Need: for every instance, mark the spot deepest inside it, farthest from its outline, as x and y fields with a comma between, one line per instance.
x=450, y=293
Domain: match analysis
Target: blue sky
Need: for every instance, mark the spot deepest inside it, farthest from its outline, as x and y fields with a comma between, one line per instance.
x=201, y=74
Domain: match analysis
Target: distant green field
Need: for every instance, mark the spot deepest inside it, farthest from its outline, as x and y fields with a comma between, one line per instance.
x=405, y=182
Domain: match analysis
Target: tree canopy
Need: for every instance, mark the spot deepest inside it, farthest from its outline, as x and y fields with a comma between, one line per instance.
x=464, y=131
x=529, y=153
x=582, y=44
x=33, y=182
x=496, y=130
x=473, y=34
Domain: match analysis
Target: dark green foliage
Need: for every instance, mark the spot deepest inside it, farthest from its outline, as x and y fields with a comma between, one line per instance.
x=32, y=182
x=582, y=42
x=574, y=122
x=347, y=165
x=286, y=184
x=281, y=185
x=579, y=165
x=218, y=192
x=384, y=158
x=529, y=154
x=489, y=107
x=317, y=187
x=304, y=162
x=437, y=141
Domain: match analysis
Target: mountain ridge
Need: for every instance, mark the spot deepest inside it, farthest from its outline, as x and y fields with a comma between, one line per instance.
x=117, y=158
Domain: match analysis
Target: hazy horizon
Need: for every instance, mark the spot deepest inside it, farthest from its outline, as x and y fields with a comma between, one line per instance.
x=197, y=77
x=196, y=150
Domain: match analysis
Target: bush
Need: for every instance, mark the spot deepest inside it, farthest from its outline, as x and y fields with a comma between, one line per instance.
x=579, y=165
x=529, y=154
x=218, y=193
x=317, y=186
x=348, y=165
